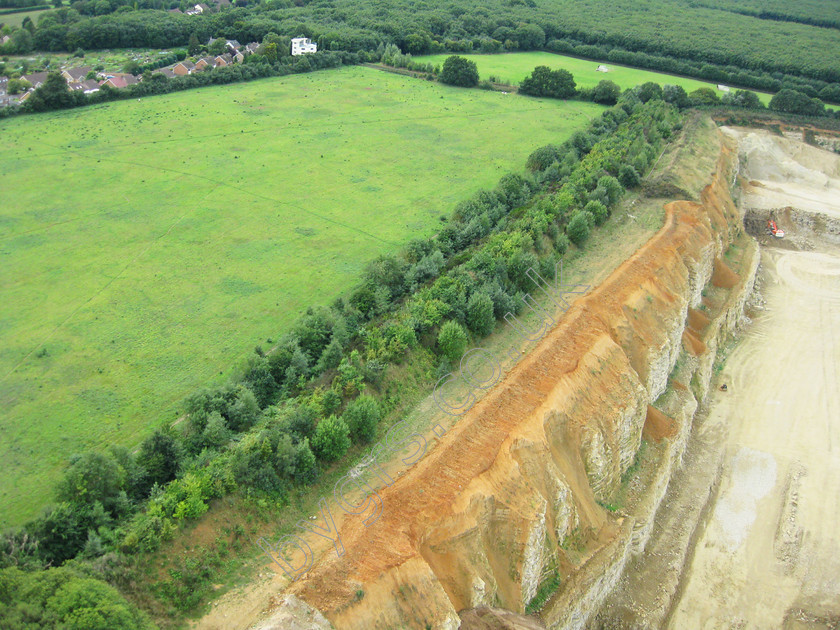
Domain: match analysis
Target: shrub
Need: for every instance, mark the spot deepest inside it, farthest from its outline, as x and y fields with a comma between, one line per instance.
x=578, y=229
x=650, y=91
x=628, y=176
x=459, y=71
x=452, y=340
x=331, y=439
x=546, y=82
x=480, y=317
x=599, y=211
x=606, y=92
x=362, y=417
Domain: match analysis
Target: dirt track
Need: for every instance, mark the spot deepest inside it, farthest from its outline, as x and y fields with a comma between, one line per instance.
x=769, y=556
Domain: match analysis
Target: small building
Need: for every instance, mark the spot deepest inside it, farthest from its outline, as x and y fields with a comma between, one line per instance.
x=88, y=86
x=5, y=39
x=302, y=46
x=602, y=68
x=723, y=88
x=233, y=45
x=223, y=60
x=75, y=75
x=169, y=73
x=183, y=68
x=251, y=48
x=203, y=63
x=36, y=79
x=119, y=82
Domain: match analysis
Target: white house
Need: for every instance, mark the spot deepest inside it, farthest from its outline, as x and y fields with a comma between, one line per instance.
x=603, y=69
x=302, y=45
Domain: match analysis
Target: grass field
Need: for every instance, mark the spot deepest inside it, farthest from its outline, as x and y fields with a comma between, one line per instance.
x=148, y=246
x=16, y=19
x=511, y=68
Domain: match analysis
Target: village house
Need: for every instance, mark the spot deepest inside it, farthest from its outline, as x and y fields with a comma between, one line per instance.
x=223, y=60
x=89, y=86
x=183, y=68
x=302, y=46
x=198, y=9
x=75, y=75
x=204, y=62
x=36, y=79
x=169, y=73
x=252, y=48
x=119, y=82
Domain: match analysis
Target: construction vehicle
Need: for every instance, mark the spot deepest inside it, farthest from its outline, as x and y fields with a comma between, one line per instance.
x=773, y=229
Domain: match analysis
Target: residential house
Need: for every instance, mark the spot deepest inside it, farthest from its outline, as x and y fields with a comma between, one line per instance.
x=223, y=60
x=75, y=75
x=88, y=86
x=602, y=68
x=169, y=73
x=239, y=57
x=183, y=68
x=204, y=62
x=233, y=45
x=198, y=9
x=302, y=46
x=252, y=48
x=119, y=82
x=36, y=79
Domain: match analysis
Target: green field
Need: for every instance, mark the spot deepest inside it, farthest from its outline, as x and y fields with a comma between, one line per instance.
x=16, y=19
x=511, y=68
x=147, y=247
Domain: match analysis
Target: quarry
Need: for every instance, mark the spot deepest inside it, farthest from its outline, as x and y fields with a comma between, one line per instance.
x=665, y=457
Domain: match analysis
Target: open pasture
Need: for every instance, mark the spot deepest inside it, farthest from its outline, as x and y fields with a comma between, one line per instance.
x=511, y=68
x=148, y=246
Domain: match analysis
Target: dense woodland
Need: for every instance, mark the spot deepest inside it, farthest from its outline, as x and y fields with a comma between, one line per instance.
x=664, y=28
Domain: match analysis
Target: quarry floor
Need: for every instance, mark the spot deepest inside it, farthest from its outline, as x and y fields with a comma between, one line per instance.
x=769, y=552
x=761, y=475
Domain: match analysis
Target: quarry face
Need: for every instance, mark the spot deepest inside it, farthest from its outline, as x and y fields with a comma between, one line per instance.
x=729, y=505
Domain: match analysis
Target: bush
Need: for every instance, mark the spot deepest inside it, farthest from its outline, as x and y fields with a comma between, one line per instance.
x=331, y=439
x=362, y=417
x=606, y=93
x=480, y=318
x=578, y=229
x=546, y=82
x=544, y=157
x=452, y=341
x=628, y=176
x=650, y=91
x=459, y=71
x=599, y=211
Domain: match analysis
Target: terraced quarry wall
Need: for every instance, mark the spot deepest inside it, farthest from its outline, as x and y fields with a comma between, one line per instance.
x=520, y=487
